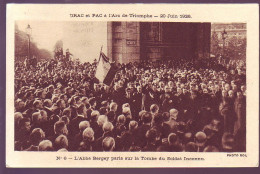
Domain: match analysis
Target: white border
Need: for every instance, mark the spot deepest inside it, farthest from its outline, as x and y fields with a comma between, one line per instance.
x=200, y=13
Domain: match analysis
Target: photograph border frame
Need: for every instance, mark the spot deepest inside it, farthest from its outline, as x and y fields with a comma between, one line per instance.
x=2, y=92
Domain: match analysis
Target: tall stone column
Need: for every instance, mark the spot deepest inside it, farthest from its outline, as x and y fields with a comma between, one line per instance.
x=124, y=41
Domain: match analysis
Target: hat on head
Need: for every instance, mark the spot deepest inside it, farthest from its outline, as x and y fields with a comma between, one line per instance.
x=62, y=150
x=88, y=134
x=133, y=125
x=201, y=138
x=108, y=126
x=45, y=145
x=191, y=147
x=210, y=149
x=83, y=125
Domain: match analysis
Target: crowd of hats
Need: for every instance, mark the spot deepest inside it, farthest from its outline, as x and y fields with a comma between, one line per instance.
x=178, y=105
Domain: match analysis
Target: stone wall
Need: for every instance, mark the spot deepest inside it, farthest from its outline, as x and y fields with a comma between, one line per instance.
x=124, y=41
x=135, y=41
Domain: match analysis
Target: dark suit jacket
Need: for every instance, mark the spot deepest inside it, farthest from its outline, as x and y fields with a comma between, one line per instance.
x=98, y=144
x=75, y=142
x=140, y=136
x=74, y=125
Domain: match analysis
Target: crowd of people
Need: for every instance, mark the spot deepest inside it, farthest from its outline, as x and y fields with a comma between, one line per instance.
x=177, y=105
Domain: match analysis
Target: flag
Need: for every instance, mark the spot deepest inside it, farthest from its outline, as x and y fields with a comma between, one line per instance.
x=105, y=70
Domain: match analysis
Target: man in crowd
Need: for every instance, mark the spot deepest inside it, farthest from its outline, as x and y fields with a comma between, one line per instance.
x=176, y=105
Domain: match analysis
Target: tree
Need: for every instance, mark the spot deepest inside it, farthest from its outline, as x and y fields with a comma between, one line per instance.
x=22, y=45
x=236, y=48
x=215, y=48
x=44, y=54
x=58, y=48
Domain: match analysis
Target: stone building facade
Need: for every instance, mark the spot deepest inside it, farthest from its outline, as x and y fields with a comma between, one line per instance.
x=136, y=41
x=237, y=30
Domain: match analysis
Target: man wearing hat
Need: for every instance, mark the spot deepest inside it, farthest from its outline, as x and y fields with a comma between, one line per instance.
x=200, y=140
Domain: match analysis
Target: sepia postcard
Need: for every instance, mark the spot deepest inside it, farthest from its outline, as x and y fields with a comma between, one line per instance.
x=132, y=85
